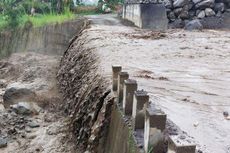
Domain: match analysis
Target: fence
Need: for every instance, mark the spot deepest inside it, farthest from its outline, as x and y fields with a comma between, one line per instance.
x=152, y=120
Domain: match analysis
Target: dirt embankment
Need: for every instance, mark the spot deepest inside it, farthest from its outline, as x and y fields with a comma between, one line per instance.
x=31, y=114
x=32, y=122
x=86, y=95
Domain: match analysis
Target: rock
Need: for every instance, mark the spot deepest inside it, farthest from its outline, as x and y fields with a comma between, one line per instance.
x=190, y=5
x=194, y=25
x=212, y=22
x=209, y=12
x=16, y=93
x=33, y=124
x=178, y=23
x=191, y=14
x=225, y=113
x=196, y=1
x=177, y=11
x=22, y=108
x=219, y=7
x=205, y=4
x=218, y=14
x=168, y=4
x=28, y=130
x=2, y=108
x=201, y=14
x=179, y=3
x=184, y=15
x=26, y=108
x=168, y=11
x=171, y=16
x=195, y=124
x=3, y=143
x=3, y=83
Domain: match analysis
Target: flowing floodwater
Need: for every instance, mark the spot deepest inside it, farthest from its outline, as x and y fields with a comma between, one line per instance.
x=186, y=73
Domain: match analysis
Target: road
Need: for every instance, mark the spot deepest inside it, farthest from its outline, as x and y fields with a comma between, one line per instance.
x=186, y=73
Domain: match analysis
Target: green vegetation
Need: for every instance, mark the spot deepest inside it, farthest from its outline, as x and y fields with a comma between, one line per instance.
x=87, y=10
x=37, y=20
x=18, y=13
x=41, y=20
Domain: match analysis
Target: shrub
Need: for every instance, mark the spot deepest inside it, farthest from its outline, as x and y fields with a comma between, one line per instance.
x=11, y=12
x=40, y=7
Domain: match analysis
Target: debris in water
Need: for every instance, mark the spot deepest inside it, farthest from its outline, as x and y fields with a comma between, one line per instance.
x=195, y=124
x=225, y=113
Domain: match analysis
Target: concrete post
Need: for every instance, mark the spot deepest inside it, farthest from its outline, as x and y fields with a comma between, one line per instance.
x=178, y=145
x=155, y=121
x=116, y=69
x=129, y=87
x=138, y=114
x=122, y=76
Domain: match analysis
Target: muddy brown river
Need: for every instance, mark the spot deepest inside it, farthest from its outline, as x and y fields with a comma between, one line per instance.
x=186, y=73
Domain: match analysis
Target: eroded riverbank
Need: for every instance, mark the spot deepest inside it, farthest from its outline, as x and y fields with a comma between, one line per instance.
x=31, y=120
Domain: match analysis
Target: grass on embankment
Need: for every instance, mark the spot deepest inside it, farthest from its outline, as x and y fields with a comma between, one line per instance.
x=39, y=20
x=44, y=19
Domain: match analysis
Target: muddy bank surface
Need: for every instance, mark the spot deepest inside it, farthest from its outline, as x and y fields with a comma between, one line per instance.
x=87, y=96
x=186, y=73
x=34, y=123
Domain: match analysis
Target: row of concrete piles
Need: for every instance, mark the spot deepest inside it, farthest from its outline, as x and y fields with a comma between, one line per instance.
x=135, y=104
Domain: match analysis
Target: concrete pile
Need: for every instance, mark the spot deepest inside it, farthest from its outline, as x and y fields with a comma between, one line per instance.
x=88, y=101
x=179, y=11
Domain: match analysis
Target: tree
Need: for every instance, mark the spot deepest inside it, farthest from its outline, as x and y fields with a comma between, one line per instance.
x=11, y=12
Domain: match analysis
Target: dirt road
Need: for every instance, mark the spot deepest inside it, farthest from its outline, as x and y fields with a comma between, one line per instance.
x=186, y=73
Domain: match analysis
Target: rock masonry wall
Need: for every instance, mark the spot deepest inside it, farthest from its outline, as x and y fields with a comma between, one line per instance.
x=206, y=13
x=193, y=9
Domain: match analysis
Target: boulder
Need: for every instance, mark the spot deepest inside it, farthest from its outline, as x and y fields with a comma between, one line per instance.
x=179, y=3
x=218, y=14
x=33, y=124
x=177, y=11
x=3, y=83
x=196, y=1
x=171, y=16
x=191, y=13
x=205, y=4
x=15, y=93
x=219, y=7
x=178, y=23
x=168, y=4
x=26, y=108
x=209, y=12
x=201, y=14
x=194, y=25
x=212, y=22
x=184, y=15
x=190, y=5
x=3, y=142
x=225, y=113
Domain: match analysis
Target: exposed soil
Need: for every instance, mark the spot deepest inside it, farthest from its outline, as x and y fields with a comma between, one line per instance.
x=185, y=73
x=46, y=130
